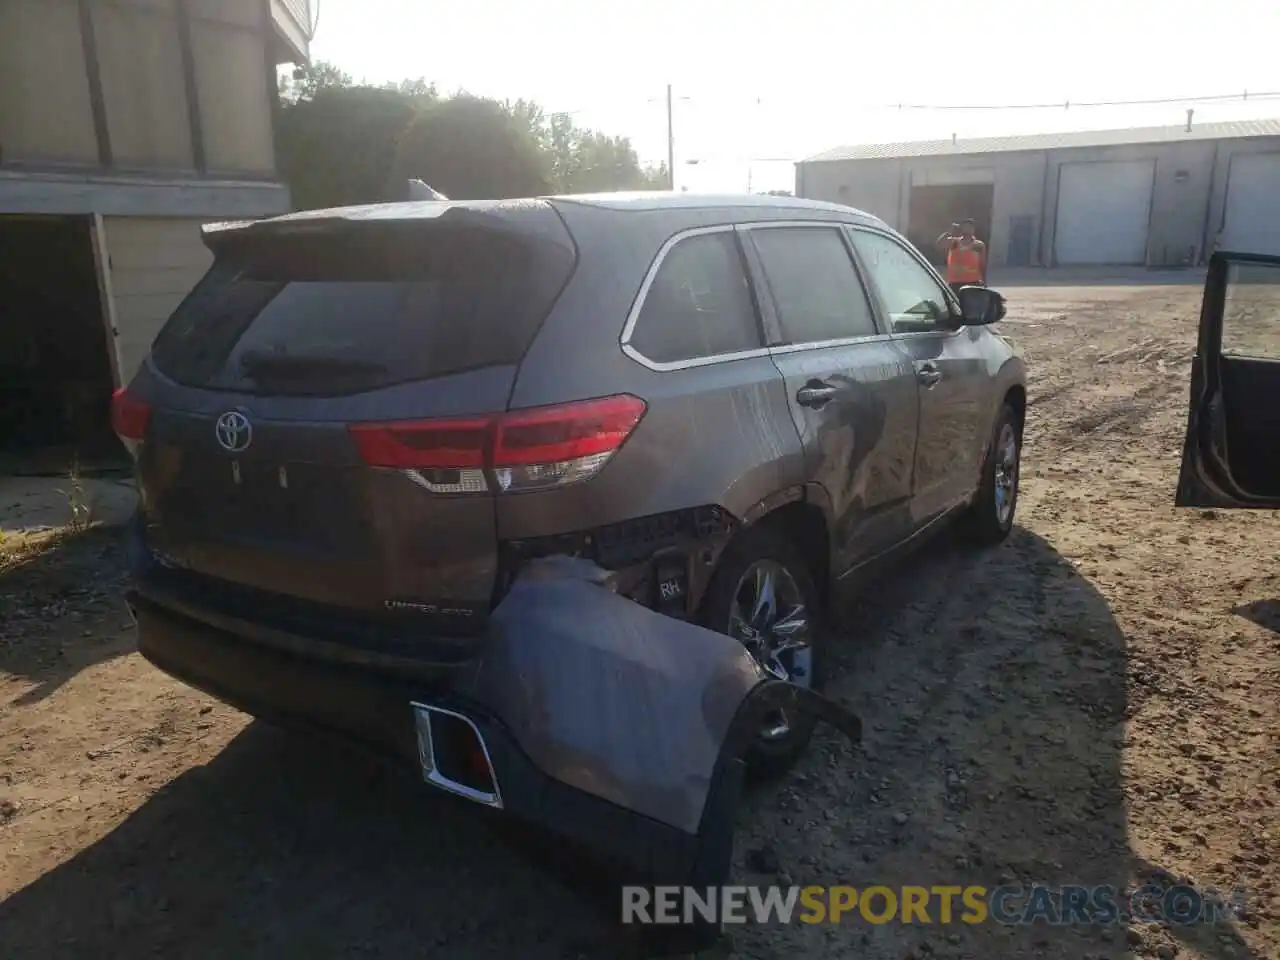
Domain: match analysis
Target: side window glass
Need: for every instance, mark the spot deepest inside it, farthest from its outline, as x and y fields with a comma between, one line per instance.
x=814, y=283
x=914, y=301
x=699, y=304
x=1251, y=313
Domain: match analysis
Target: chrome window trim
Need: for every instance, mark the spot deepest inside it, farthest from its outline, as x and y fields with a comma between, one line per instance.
x=669, y=366
x=770, y=224
x=633, y=316
x=659, y=366
x=824, y=344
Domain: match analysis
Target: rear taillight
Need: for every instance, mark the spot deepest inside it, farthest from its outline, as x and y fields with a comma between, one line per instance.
x=521, y=450
x=129, y=417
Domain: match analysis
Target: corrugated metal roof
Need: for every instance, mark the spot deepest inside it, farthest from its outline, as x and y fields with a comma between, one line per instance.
x=1052, y=141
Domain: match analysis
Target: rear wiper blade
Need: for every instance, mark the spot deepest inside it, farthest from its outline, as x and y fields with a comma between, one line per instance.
x=282, y=365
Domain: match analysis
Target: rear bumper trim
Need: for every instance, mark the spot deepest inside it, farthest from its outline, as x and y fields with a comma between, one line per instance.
x=375, y=711
x=427, y=757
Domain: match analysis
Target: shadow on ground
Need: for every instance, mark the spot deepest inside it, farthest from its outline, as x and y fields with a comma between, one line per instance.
x=1265, y=613
x=61, y=606
x=993, y=688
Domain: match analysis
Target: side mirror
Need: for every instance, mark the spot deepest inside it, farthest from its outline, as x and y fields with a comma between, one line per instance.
x=981, y=305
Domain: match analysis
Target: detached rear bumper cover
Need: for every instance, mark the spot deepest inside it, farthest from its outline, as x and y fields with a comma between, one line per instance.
x=610, y=725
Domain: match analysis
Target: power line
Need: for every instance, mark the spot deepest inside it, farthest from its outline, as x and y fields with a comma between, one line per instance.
x=1242, y=97
x=1069, y=104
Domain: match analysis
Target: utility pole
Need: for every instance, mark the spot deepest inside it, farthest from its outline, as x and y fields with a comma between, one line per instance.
x=671, y=143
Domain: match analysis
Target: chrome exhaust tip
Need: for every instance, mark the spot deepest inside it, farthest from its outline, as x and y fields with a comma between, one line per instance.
x=454, y=756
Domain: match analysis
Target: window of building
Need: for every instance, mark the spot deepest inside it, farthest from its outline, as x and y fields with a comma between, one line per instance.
x=699, y=304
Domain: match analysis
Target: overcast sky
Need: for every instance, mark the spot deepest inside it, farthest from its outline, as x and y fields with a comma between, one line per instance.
x=777, y=81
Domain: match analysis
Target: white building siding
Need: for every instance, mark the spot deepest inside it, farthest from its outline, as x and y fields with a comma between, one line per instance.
x=153, y=264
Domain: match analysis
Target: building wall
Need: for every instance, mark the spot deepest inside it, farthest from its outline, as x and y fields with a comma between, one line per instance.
x=153, y=116
x=46, y=112
x=143, y=85
x=874, y=186
x=161, y=107
x=232, y=80
x=152, y=264
x=1188, y=201
x=1018, y=180
x=1176, y=228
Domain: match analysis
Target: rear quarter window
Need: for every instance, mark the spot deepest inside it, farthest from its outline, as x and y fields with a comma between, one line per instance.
x=699, y=304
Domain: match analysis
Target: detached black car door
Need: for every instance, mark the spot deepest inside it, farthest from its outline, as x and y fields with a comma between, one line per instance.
x=1231, y=457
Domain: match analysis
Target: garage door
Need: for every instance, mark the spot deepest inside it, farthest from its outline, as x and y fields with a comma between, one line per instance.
x=154, y=263
x=1103, y=212
x=1253, y=204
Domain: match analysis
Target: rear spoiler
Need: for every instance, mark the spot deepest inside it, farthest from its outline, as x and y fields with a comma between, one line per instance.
x=219, y=237
x=309, y=220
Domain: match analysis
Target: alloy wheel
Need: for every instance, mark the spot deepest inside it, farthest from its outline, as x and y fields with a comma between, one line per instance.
x=1006, y=473
x=771, y=619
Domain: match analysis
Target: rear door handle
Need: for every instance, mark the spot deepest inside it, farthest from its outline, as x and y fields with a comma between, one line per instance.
x=815, y=394
x=928, y=374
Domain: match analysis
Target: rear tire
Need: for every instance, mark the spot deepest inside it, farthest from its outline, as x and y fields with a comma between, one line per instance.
x=990, y=516
x=764, y=551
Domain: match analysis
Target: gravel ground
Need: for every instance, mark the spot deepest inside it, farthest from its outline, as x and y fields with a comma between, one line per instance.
x=1095, y=702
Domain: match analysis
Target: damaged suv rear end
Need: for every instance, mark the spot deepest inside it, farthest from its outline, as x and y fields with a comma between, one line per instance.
x=362, y=423
x=365, y=426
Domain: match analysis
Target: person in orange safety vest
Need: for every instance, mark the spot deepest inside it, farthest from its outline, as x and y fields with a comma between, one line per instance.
x=966, y=256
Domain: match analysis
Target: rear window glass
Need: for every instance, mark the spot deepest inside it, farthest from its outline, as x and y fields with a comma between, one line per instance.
x=335, y=313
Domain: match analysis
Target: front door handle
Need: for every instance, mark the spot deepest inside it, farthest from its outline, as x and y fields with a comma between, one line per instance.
x=928, y=374
x=815, y=394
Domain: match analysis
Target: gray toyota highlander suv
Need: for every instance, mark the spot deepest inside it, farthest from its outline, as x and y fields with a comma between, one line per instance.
x=363, y=421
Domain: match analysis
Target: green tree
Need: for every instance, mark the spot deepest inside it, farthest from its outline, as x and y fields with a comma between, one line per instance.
x=421, y=92
x=309, y=79
x=472, y=148
x=338, y=147
x=343, y=143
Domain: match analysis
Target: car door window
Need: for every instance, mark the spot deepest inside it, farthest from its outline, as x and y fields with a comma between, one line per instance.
x=814, y=284
x=1251, y=311
x=913, y=299
x=699, y=304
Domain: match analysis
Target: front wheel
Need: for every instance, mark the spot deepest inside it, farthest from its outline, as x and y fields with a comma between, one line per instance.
x=763, y=595
x=990, y=517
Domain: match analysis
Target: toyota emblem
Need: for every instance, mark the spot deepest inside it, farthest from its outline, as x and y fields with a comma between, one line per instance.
x=234, y=432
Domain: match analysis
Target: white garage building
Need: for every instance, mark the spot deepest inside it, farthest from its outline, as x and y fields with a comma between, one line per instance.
x=1156, y=196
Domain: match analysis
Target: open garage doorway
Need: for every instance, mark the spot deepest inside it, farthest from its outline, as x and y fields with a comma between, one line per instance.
x=935, y=207
x=55, y=362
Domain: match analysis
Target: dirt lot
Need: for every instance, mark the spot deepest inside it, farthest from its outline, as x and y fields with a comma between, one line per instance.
x=1095, y=702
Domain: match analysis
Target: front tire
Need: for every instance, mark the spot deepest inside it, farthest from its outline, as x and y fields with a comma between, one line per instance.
x=763, y=595
x=990, y=516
